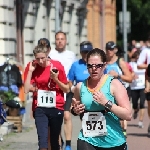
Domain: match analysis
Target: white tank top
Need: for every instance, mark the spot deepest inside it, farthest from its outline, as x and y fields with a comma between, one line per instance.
x=138, y=83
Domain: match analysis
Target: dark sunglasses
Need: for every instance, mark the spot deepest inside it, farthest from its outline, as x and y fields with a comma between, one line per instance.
x=95, y=65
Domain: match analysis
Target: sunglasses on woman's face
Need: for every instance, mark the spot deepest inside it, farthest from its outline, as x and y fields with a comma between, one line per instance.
x=95, y=65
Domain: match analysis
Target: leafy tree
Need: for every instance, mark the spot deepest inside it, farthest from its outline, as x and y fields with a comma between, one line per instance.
x=140, y=19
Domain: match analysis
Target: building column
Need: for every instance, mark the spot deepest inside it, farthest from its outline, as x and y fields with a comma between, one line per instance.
x=96, y=24
x=114, y=19
x=52, y=25
x=19, y=29
x=40, y=22
x=73, y=35
x=90, y=21
x=34, y=26
x=108, y=21
x=7, y=30
x=65, y=24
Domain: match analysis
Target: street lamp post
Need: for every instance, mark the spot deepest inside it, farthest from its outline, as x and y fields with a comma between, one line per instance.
x=57, y=19
x=124, y=7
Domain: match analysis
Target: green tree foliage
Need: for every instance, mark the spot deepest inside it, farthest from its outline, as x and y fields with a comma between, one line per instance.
x=140, y=18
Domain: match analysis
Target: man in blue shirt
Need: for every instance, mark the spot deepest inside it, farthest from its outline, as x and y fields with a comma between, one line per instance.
x=78, y=71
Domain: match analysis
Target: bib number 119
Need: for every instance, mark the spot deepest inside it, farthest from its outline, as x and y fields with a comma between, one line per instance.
x=46, y=99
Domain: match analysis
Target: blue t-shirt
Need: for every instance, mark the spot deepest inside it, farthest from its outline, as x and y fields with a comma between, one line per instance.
x=78, y=72
x=114, y=66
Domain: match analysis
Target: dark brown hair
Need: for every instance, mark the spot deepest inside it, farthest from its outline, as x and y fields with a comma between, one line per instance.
x=136, y=54
x=44, y=42
x=97, y=52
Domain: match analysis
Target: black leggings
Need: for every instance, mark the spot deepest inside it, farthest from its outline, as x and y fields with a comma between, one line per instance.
x=48, y=117
x=82, y=145
x=136, y=95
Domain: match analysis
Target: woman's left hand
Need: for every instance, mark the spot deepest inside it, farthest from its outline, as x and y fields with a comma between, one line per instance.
x=99, y=98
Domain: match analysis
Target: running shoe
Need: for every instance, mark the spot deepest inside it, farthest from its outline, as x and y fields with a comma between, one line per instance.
x=68, y=148
x=135, y=115
x=140, y=124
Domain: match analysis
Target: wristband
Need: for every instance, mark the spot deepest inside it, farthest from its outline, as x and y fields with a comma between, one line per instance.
x=73, y=112
x=108, y=105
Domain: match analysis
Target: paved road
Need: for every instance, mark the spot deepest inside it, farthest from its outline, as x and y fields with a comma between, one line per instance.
x=27, y=140
x=137, y=138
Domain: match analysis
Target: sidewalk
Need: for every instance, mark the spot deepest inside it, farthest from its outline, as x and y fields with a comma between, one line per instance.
x=27, y=139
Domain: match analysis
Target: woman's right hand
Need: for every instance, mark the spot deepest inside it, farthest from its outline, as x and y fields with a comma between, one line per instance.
x=78, y=107
x=32, y=66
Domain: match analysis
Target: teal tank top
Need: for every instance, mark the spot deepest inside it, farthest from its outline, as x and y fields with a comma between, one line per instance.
x=115, y=136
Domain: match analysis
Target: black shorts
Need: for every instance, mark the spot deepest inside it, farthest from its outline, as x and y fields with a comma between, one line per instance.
x=148, y=96
x=129, y=92
x=68, y=102
x=82, y=145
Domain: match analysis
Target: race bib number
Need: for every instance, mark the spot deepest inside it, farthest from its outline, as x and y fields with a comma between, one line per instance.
x=46, y=99
x=140, y=81
x=94, y=124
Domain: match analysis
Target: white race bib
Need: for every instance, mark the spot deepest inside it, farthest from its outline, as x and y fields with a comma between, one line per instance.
x=139, y=82
x=94, y=124
x=46, y=99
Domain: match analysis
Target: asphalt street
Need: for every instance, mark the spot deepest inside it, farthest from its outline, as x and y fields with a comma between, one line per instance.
x=27, y=140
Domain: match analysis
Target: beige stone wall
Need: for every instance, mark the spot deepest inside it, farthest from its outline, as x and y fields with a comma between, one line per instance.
x=94, y=22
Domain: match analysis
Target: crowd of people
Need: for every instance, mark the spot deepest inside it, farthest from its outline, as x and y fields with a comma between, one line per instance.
x=139, y=57
x=62, y=85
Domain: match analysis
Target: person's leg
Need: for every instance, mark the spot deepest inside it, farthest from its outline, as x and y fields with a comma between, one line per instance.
x=148, y=103
x=49, y=144
x=55, y=122
x=68, y=121
x=124, y=122
x=148, y=110
x=135, y=96
x=41, y=122
x=142, y=108
x=82, y=145
x=61, y=142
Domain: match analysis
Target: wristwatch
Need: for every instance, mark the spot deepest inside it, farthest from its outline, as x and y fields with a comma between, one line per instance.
x=108, y=105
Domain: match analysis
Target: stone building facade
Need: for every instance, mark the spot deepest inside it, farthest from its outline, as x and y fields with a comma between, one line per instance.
x=23, y=22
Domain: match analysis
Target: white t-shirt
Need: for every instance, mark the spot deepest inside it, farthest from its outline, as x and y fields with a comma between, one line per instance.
x=144, y=57
x=67, y=58
x=138, y=83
